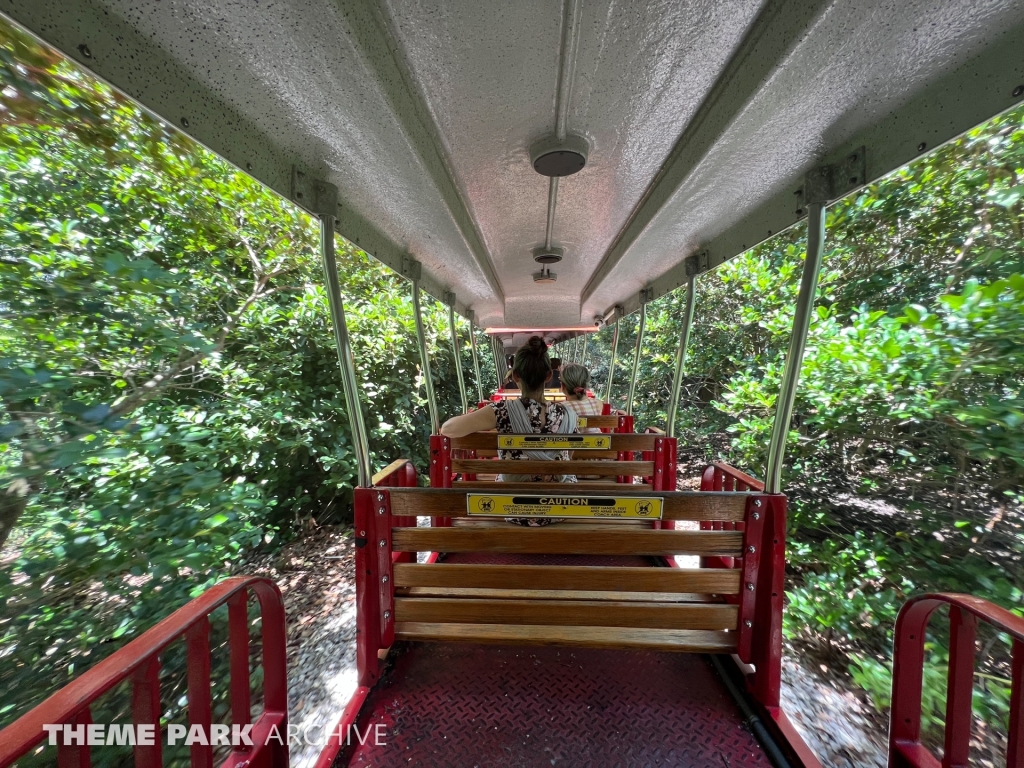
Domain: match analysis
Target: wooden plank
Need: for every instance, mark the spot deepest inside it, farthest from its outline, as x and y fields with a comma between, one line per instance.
x=679, y=505
x=574, y=613
x=722, y=581
x=557, y=594
x=683, y=640
x=567, y=541
x=571, y=467
x=394, y=466
x=608, y=487
x=619, y=442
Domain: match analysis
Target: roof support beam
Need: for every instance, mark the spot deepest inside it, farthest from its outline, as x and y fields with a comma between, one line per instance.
x=373, y=33
x=769, y=41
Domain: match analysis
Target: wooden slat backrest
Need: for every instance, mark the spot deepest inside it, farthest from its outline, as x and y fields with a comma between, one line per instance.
x=678, y=505
x=596, y=487
x=580, y=613
x=572, y=467
x=566, y=541
x=619, y=442
x=722, y=581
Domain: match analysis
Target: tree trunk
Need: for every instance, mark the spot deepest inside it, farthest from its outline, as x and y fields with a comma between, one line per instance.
x=13, y=500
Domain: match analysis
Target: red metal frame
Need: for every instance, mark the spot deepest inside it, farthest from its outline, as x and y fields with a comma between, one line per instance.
x=905, y=748
x=722, y=477
x=140, y=662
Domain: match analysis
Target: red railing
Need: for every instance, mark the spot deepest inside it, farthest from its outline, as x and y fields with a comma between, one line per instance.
x=140, y=661
x=905, y=748
x=722, y=477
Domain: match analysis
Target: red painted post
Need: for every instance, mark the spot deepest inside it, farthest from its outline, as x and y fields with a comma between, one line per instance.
x=238, y=648
x=625, y=427
x=960, y=692
x=76, y=755
x=766, y=651
x=200, y=711
x=753, y=543
x=385, y=574
x=368, y=611
x=146, y=711
x=1015, y=740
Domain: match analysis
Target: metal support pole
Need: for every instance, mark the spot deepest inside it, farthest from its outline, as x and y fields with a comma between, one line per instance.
x=499, y=361
x=684, y=340
x=611, y=362
x=636, y=358
x=797, y=342
x=360, y=444
x=458, y=357
x=583, y=354
x=428, y=381
x=476, y=364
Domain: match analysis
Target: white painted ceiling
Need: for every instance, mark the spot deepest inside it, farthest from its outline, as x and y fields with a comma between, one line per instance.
x=702, y=117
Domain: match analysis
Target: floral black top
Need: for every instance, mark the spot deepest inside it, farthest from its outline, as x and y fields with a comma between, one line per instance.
x=555, y=414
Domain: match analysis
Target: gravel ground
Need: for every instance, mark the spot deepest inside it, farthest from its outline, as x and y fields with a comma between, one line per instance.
x=315, y=575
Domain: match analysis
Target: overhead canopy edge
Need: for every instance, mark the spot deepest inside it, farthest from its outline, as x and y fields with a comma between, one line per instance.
x=967, y=96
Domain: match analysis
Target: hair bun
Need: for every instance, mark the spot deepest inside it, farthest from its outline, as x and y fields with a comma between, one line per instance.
x=536, y=344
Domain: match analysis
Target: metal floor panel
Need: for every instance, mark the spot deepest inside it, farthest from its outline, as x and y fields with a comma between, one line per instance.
x=460, y=705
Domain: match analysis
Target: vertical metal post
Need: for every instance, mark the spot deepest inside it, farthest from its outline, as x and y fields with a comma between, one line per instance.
x=611, y=363
x=684, y=340
x=458, y=357
x=797, y=342
x=583, y=354
x=428, y=381
x=636, y=358
x=499, y=360
x=346, y=359
x=476, y=363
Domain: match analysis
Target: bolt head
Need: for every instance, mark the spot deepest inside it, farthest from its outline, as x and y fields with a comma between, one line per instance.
x=757, y=502
x=380, y=496
x=382, y=510
x=1018, y=91
x=922, y=146
x=748, y=623
x=384, y=578
x=383, y=542
x=749, y=549
x=362, y=533
x=387, y=614
x=756, y=515
x=750, y=585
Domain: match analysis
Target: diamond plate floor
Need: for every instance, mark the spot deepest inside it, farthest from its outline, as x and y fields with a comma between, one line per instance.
x=460, y=706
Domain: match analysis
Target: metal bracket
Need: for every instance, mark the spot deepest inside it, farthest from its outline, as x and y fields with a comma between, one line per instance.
x=698, y=263
x=411, y=268
x=449, y=299
x=316, y=196
x=830, y=182
x=646, y=295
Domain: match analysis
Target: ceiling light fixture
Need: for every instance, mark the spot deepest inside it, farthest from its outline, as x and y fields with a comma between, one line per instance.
x=554, y=157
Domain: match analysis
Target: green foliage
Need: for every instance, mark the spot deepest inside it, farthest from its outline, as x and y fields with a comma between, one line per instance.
x=168, y=375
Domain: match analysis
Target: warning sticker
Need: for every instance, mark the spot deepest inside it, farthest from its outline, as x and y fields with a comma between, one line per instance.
x=541, y=505
x=581, y=421
x=556, y=442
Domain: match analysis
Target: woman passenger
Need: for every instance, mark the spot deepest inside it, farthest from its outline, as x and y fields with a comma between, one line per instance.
x=528, y=414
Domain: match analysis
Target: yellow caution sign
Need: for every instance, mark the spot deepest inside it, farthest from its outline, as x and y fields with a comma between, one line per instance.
x=581, y=421
x=555, y=442
x=551, y=505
